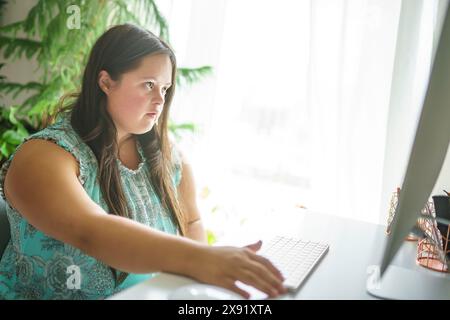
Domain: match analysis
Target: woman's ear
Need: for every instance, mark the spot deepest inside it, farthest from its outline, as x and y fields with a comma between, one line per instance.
x=104, y=81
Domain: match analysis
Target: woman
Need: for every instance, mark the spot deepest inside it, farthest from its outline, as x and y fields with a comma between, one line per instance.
x=107, y=198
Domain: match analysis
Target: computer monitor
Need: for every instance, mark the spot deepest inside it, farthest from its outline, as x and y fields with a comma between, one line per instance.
x=427, y=155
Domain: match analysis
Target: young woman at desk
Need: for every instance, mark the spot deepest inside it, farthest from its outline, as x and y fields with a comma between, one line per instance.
x=102, y=191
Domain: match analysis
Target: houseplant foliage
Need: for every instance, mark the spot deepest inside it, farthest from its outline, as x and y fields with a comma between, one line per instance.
x=58, y=35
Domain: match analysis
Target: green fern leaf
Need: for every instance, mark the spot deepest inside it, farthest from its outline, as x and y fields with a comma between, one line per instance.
x=188, y=76
x=12, y=28
x=12, y=137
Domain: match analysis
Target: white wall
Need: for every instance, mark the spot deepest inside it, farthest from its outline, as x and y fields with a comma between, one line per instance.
x=22, y=70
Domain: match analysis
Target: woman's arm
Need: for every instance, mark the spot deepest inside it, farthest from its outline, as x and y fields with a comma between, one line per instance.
x=47, y=193
x=188, y=202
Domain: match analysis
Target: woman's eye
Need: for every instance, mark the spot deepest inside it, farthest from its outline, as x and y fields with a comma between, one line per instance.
x=149, y=85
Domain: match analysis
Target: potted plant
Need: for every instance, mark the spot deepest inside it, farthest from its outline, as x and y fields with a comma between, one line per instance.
x=59, y=34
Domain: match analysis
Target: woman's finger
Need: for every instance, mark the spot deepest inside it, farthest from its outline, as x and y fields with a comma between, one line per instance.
x=267, y=275
x=254, y=280
x=231, y=285
x=254, y=246
x=269, y=265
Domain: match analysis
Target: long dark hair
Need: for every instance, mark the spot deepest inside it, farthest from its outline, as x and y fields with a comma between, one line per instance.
x=118, y=50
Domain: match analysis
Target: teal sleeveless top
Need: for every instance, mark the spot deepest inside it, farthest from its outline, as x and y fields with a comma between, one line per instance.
x=36, y=266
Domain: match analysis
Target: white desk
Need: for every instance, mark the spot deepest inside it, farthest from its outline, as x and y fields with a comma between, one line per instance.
x=342, y=273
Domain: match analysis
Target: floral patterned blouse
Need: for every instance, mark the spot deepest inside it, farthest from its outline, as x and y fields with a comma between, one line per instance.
x=36, y=266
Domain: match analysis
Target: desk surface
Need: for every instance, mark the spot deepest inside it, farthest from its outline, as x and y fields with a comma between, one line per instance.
x=341, y=274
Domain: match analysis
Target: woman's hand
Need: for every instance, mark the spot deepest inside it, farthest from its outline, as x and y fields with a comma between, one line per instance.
x=223, y=266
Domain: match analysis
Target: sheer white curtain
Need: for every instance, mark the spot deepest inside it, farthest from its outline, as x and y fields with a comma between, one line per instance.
x=352, y=58
x=297, y=110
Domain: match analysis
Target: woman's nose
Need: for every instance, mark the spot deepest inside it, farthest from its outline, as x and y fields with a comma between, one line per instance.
x=158, y=97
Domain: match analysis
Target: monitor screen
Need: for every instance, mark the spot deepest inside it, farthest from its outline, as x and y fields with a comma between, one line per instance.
x=428, y=150
x=426, y=159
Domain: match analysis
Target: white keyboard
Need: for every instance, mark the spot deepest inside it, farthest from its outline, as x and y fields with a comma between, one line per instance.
x=295, y=258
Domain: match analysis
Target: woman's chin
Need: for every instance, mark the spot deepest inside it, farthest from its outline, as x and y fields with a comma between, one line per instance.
x=147, y=124
x=146, y=129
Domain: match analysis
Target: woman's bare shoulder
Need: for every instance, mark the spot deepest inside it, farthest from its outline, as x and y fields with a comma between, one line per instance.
x=34, y=152
x=36, y=159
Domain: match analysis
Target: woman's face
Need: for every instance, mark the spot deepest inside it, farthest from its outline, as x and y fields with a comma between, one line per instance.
x=136, y=100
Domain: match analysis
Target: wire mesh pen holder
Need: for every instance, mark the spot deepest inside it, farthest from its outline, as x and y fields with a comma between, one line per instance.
x=392, y=207
x=430, y=256
x=433, y=249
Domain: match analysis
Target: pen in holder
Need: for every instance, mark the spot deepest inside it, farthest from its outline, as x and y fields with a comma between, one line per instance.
x=442, y=212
